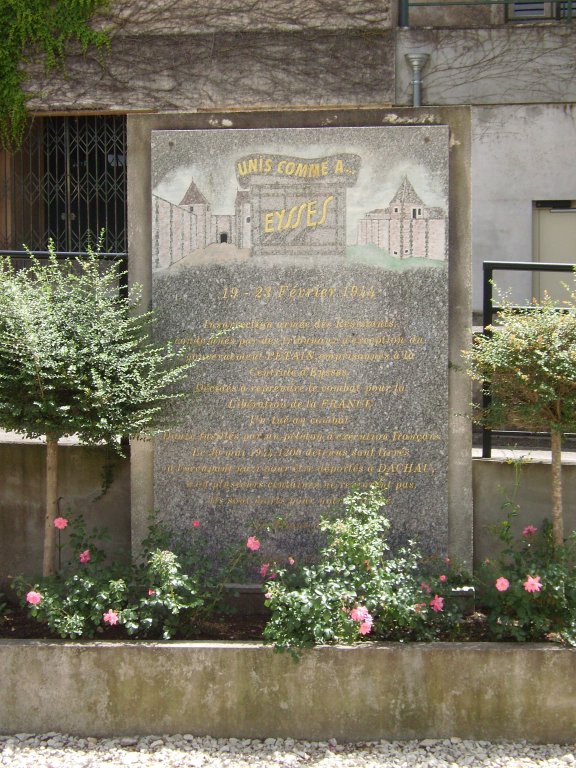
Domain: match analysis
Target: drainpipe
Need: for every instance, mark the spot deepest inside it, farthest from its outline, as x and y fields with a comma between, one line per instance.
x=417, y=61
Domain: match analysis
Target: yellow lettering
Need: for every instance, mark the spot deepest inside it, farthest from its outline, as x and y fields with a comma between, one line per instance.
x=300, y=211
x=306, y=214
x=269, y=221
x=311, y=212
x=289, y=219
x=339, y=167
x=325, y=209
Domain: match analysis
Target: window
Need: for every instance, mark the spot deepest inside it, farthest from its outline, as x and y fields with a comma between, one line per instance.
x=541, y=11
x=67, y=183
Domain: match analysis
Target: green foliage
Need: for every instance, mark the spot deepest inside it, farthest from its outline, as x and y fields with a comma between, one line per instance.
x=358, y=590
x=529, y=363
x=214, y=571
x=529, y=591
x=156, y=597
x=32, y=27
x=169, y=599
x=76, y=357
x=4, y=608
x=153, y=599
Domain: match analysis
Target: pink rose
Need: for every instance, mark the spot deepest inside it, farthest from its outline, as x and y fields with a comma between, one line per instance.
x=264, y=569
x=111, y=617
x=33, y=598
x=425, y=587
x=151, y=592
x=532, y=584
x=442, y=578
x=196, y=523
x=502, y=584
x=60, y=523
x=253, y=544
x=365, y=628
x=359, y=614
x=529, y=530
x=85, y=556
x=268, y=595
x=291, y=561
x=437, y=603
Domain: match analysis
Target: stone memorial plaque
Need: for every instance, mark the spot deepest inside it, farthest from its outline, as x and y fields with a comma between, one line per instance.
x=308, y=269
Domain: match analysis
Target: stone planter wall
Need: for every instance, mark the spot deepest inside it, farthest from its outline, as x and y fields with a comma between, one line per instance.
x=368, y=692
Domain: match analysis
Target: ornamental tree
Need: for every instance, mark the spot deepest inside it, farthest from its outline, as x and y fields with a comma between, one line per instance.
x=77, y=358
x=527, y=362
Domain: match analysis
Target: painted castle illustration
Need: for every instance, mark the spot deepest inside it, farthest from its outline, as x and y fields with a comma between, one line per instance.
x=406, y=228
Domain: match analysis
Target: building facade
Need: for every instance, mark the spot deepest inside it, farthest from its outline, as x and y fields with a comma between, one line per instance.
x=514, y=65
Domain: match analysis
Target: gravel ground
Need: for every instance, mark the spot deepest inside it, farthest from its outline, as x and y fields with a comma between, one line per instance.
x=56, y=750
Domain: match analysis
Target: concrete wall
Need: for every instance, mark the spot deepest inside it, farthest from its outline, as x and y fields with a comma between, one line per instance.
x=368, y=692
x=22, y=490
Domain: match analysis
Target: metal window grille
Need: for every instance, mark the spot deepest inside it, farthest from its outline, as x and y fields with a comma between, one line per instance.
x=67, y=183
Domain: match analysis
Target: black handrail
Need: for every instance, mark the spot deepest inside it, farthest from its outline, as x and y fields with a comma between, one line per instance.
x=489, y=309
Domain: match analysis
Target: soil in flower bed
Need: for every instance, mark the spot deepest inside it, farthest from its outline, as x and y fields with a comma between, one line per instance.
x=18, y=624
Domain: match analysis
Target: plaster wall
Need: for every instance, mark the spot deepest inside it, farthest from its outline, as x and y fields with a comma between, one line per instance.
x=525, y=482
x=22, y=492
x=454, y=15
x=520, y=154
x=507, y=64
x=363, y=693
x=180, y=17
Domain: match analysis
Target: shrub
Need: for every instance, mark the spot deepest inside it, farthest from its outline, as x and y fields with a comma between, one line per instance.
x=153, y=598
x=529, y=591
x=526, y=364
x=358, y=590
x=78, y=358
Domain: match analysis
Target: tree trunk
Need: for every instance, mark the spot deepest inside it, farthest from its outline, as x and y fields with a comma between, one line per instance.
x=557, y=518
x=51, y=505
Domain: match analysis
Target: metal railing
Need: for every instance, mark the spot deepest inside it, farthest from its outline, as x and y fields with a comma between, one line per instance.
x=489, y=309
x=561, y=11
x=122, y=258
